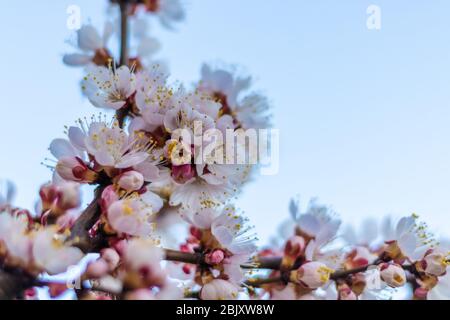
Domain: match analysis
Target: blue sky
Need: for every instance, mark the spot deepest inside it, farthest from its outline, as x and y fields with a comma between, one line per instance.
x=363, y=115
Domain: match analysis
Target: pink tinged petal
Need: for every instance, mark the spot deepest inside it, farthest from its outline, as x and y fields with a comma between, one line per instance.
x=170, y=122
x=212, y=179
x=223, y=235
x=62, y=148
x=119, y=221
x=131, y=160
x=89, y=39
x=309, y=224
x=245, y=248
x=310, y=249
x=77, y=138
x=234, y=272
x=125, y=80
x=153, y=118
x=102, y=102
x=63, y=259
x=104, y=158
x=225, y=122
x=148, y=170
x=328, y=232
x=128, y=225
x=404, y=225
x=153, y=200
x=77, y=59
x=408, y=244
x=204, y=218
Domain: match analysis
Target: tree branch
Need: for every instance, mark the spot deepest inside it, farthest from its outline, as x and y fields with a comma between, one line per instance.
x=257, y=282
x=80, y=236
x=12, y=284
x=186, y=257
x=123, y=4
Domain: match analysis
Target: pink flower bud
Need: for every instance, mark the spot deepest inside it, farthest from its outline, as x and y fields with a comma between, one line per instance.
x=68, y=196
x=57, y=289
x=215, y=257
x=74, y=169
x=345, y=293
x=219, y=289
x=435, y=263
x=312, y=275
x=183, y=173
x=111, y=257
x=421, y=293
x=109, y=196
x=392, y=274
x=131, y=181
x=294, y=247
x=359, y=257
x=48, y=194
x=97, y=269
x=30, y=294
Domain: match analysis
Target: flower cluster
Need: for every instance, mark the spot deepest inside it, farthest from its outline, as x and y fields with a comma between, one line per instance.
x=33, y=248
x=321, y=262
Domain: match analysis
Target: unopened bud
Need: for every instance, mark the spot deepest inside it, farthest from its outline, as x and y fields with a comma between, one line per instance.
x=420, y=293
x=74, y=169
x=109, y=196
x=219, y=289
x=215, y=257
x=131, y=181
x=345, y=293
x=435, y=263
x=97, y=269
x=312, y=275
x=392, y=274
x=68, y=196
x=294, y=248
x=111, y=257
x=48, y=194
x=183, y=173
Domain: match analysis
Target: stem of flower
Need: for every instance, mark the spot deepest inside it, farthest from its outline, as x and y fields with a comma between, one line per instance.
x=257, y=282
x=123, y=4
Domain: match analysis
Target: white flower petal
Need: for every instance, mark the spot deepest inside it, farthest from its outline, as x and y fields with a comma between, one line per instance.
x=62, y=148
x=77, y=59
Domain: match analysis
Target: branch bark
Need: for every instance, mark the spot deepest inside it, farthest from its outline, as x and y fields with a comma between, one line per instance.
x=123, y=4
x=80, y=236
x=12, y=284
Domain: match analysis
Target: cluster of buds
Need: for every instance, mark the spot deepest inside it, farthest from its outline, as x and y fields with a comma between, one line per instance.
x=58, y=199
x=127, y=270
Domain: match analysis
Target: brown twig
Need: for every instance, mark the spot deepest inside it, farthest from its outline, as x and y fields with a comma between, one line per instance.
x=123, y=4
x=122, y=113
x=80, y=236
x=258, y=282
x=342, y=274
x=12, y=284
x=186, y=257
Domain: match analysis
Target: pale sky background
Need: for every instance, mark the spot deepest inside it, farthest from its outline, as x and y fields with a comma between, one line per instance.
x=364, y=116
